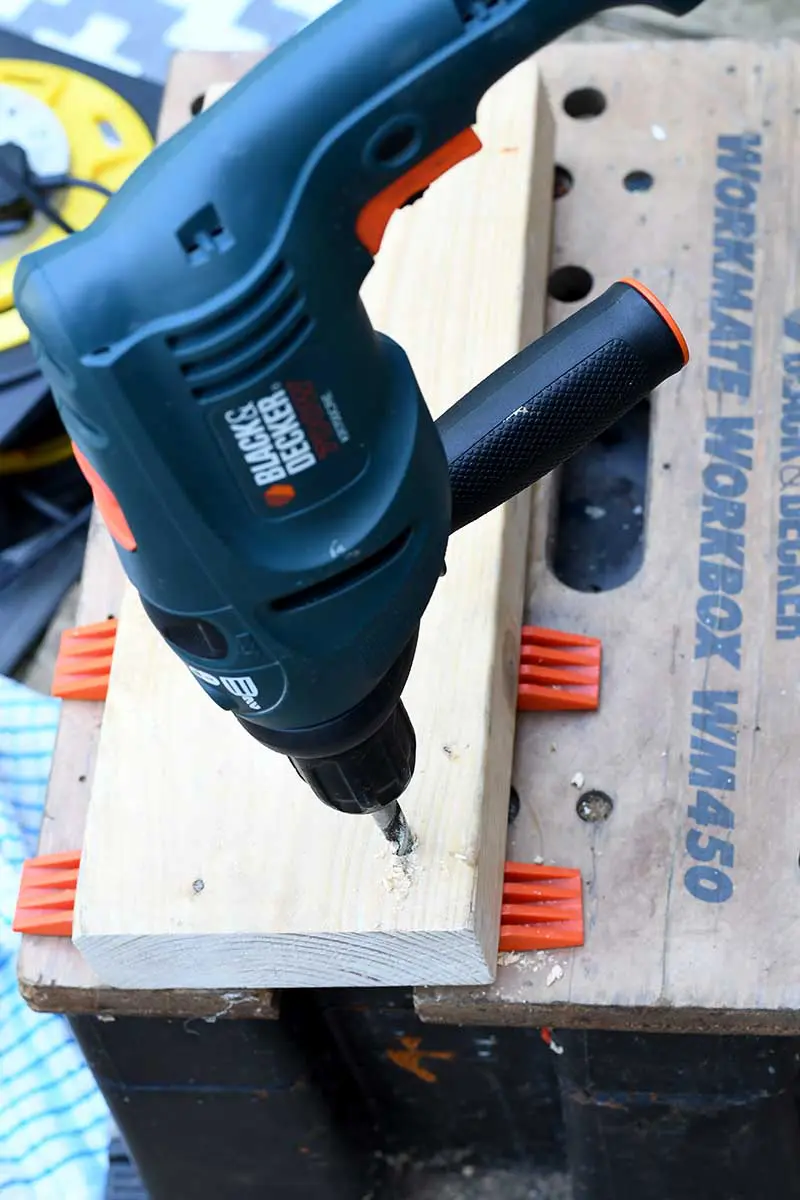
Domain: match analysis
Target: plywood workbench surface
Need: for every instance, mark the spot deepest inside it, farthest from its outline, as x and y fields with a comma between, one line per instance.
x=692, y=885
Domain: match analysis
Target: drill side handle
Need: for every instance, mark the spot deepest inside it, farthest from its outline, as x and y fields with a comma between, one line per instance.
x=555, y=396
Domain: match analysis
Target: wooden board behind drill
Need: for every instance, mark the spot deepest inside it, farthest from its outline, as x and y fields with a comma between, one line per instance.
x=692, y=884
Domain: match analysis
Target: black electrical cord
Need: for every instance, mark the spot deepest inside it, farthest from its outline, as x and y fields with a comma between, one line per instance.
x=51, y=182
x=34, y=197
x=30, y=191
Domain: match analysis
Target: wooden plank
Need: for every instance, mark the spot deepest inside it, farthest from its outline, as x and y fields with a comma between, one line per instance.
x=192, y=73
x=657, y=955
x=53, y=965
x=52, y=975
x=292, y=893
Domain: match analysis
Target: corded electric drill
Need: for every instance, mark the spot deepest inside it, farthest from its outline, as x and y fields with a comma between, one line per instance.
x=276, y=487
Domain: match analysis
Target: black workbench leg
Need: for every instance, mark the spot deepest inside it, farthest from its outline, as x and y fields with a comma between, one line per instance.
x=230, y=1110
x=680, y=1117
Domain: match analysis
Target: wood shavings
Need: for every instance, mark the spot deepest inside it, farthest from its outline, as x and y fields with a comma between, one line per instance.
x=538, y=860
x=508, y=958
x=578, y=779
x=543, y=960
x=398, y=882
x=556, y=973
x=400, y=874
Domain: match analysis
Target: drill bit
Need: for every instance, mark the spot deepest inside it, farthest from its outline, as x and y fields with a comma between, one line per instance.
x=395, y=828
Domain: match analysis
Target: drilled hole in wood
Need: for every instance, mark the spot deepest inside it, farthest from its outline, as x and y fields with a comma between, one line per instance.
x=196, y=107
x=584, y=103
x=570, y=284
x=563, y=182
x=594, y=807
x=638, y=181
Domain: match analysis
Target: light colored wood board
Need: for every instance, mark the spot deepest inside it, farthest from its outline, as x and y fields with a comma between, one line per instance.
x=295, y=894
x=712, y=19
x=655, y=955
x=53, y=976
x=192, y=73
x=47, y=963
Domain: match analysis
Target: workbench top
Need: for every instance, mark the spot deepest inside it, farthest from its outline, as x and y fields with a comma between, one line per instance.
x=691, y=883
x=692, y=887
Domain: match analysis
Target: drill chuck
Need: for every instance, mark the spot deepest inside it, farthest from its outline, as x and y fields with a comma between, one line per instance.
x=362, y=761
x=369, y=776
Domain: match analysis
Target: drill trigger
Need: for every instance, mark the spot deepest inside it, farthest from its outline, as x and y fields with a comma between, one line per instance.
x=377, y=212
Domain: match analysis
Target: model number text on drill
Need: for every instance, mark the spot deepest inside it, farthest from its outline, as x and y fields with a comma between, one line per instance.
x=243, y=687
x=270, y=438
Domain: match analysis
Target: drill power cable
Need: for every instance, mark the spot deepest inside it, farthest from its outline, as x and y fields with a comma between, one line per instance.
x=32, y=188
x=28, y=190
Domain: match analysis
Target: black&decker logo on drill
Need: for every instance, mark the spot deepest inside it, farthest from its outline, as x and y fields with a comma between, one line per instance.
x=271, y=439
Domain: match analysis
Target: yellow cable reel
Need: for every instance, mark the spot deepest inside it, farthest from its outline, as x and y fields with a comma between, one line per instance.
x=91, y=131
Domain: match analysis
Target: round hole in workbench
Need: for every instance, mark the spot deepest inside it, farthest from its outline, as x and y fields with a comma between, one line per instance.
x=562, y=182
x=584, y=103
x=598, y=539
x=513, y=805
x=594, y=807
x=638, y=181
x=570, y=284
x=610, y=437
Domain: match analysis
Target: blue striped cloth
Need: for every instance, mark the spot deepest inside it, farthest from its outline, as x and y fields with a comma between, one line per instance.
x=54, y=1124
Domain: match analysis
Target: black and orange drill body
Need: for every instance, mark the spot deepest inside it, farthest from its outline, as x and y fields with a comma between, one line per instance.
x=278, y=490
